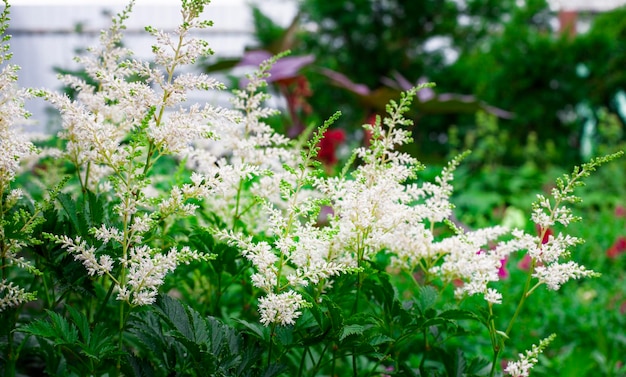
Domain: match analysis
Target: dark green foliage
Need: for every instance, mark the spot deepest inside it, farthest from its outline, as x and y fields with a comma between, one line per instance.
x=71, y=344
x=179, y=341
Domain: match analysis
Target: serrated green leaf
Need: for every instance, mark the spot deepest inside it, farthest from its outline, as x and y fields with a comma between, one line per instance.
x=459, y=314
x=380, y=339
x=348, y=330
x=455, y=364
x=101, y=345
x=138, y=367
x=477, y=366
x=255, y=329
x=56, y=329
x=427, y=297
x=173, y=312
x=335, y=315
x=438, y=321
x=75, y=216
x=81, y=322
x=284, y=335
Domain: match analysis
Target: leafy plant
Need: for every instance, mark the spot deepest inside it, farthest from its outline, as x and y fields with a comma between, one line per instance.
x=299, y=270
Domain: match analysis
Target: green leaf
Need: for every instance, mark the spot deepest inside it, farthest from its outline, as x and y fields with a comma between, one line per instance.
x=426, y=298
x=256, y=329
x=138, y=367
x=334, y=314
x=459, y=314
x=380, y=339
x=56, y=329
x=81, y=321
x=348, y=330
x=455, y=364
x=173, y=312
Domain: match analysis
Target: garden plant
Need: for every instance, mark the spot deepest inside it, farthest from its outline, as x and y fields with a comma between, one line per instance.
x=157, y=237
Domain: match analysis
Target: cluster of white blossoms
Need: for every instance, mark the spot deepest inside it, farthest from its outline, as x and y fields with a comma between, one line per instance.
x=299, y=253
x=283, y=308
x=118, y=128
x=249, y=156
x=380, y=207
x=14, y=144
x=15, y=147
x=374, y=209
x=12, y=295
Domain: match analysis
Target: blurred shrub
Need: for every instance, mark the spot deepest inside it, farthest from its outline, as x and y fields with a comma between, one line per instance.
x=506, y=55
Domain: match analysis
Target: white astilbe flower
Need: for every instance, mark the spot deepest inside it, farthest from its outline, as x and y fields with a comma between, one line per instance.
x=107, y=234
x=556, y=274
x=377, y=209
x=282, y=309
x=14, y=144
x=98, y=123
x=145, y=268
x=553, y=249
x=145, y=273
x=116, y=131
x=549, y=254
x=86, y=254
x=466, y=258
x=527, y=361
x=249, y=153
x=15, y=148
x=12, y=296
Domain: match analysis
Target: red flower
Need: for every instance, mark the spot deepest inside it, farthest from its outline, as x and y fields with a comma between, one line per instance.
x=546, y=236
x=620, y=211
x=328, y=146
x=618, y=247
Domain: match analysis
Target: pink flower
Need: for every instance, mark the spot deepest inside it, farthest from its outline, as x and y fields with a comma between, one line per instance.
x=620, y=211
x=524, y=264
x=503, y=273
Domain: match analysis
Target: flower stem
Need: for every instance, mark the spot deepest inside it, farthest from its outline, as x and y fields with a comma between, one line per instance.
x=271, y=345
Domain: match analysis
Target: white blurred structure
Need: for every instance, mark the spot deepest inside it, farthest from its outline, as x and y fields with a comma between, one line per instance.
x=585, y=5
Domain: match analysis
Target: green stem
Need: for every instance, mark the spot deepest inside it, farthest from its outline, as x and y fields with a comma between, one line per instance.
x=495, y=346
x=11, y=356
x=302, y=360
x=522, y=300
x=104, y=302
x=355, y=372
x=237, y=215
x=120, y=340
x=334, y=363
x=271, y=345
x=318, y=365
x=426, y=347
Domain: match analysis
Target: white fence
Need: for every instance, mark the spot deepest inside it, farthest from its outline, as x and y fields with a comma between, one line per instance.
x=44, y=33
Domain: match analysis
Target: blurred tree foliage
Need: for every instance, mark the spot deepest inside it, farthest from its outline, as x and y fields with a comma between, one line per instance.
x=369, y=40
x=553, y=82
x=504, y=52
